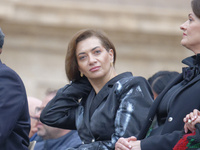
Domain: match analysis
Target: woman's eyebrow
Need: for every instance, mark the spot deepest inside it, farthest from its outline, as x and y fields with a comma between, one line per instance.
x=91, y=50
x=95, y=47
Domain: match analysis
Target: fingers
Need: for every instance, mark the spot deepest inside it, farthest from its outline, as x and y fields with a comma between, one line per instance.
x=197, y=120
x=190, y=127
x=136, y=145
x=185, y=128
x=191, y=119
x=191, y=116
x=122, y=144
x=195, y=114
x=187, y=117
x=132, y=138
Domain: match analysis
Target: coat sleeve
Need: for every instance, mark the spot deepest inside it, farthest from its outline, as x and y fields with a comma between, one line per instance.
x=12, y=102
x=60, y=111
x=168, y=141
x=134, y=103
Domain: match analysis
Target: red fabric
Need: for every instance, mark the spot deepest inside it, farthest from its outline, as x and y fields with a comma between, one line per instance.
x=182, y=143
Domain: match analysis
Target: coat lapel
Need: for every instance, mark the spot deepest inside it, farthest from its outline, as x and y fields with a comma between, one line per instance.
x=154, y=107
x=90, y=107
x=197, y=78
x=100, y=97
x=86, y=110
x=160, y=97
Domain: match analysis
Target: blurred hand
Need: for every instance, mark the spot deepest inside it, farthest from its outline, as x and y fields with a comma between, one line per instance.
x=190, y=120
x=130, y=143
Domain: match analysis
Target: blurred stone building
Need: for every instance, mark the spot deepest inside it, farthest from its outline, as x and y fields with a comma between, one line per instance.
x=145, y=32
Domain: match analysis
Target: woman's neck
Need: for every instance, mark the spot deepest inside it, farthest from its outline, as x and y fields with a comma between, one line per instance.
x=98, y=83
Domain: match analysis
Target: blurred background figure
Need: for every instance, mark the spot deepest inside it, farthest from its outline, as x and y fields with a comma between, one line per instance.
x=50, y=138
x=32, y=104
x=159, y=81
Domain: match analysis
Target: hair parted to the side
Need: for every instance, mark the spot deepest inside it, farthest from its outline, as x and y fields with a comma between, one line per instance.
x=71, y=65
x=195, y=4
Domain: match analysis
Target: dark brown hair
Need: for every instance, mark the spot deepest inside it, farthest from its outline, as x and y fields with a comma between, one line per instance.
x=71, y=65
x=196, y=7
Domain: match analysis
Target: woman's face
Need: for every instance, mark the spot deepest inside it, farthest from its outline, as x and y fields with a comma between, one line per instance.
x=93, y=59
x=191, y=33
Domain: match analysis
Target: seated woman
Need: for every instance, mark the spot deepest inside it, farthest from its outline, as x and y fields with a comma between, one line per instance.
x=100, y=104
x=179, y=98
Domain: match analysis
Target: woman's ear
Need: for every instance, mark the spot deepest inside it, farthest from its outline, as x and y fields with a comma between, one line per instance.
x=111, y=53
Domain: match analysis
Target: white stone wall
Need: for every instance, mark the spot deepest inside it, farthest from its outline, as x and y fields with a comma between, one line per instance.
x=145, y=32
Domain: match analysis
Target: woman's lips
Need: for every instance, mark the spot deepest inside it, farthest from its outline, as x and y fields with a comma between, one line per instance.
x=94, y=68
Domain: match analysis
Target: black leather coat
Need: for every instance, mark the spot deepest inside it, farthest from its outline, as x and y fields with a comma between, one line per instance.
x=118, y=110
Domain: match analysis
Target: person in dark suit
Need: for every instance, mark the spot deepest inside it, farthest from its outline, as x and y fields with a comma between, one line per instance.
x=177, y=100
x=101, y=105
x=14, y=114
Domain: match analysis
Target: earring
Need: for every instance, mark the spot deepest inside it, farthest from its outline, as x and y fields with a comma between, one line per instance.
x=111, y=64
x=81, y=74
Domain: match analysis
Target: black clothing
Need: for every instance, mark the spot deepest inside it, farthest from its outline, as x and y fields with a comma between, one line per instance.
x=178, y=99
x=118, y=110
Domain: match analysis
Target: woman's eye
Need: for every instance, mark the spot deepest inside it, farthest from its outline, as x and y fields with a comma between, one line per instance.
x=190, y=19
x=97, y=51
x=82, y=57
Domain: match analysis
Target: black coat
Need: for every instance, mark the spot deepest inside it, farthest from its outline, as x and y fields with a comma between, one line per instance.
x=118, y=110
x=182, y=103
x=14, y=114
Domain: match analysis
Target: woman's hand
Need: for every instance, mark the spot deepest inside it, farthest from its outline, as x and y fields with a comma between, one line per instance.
x=191, y=119
x=130, y=143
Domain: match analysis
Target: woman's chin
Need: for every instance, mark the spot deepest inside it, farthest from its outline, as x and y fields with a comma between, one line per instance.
x=184, y=43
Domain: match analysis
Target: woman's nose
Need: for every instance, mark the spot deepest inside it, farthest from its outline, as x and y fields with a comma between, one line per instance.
x=183, y=26
x=92, y=59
